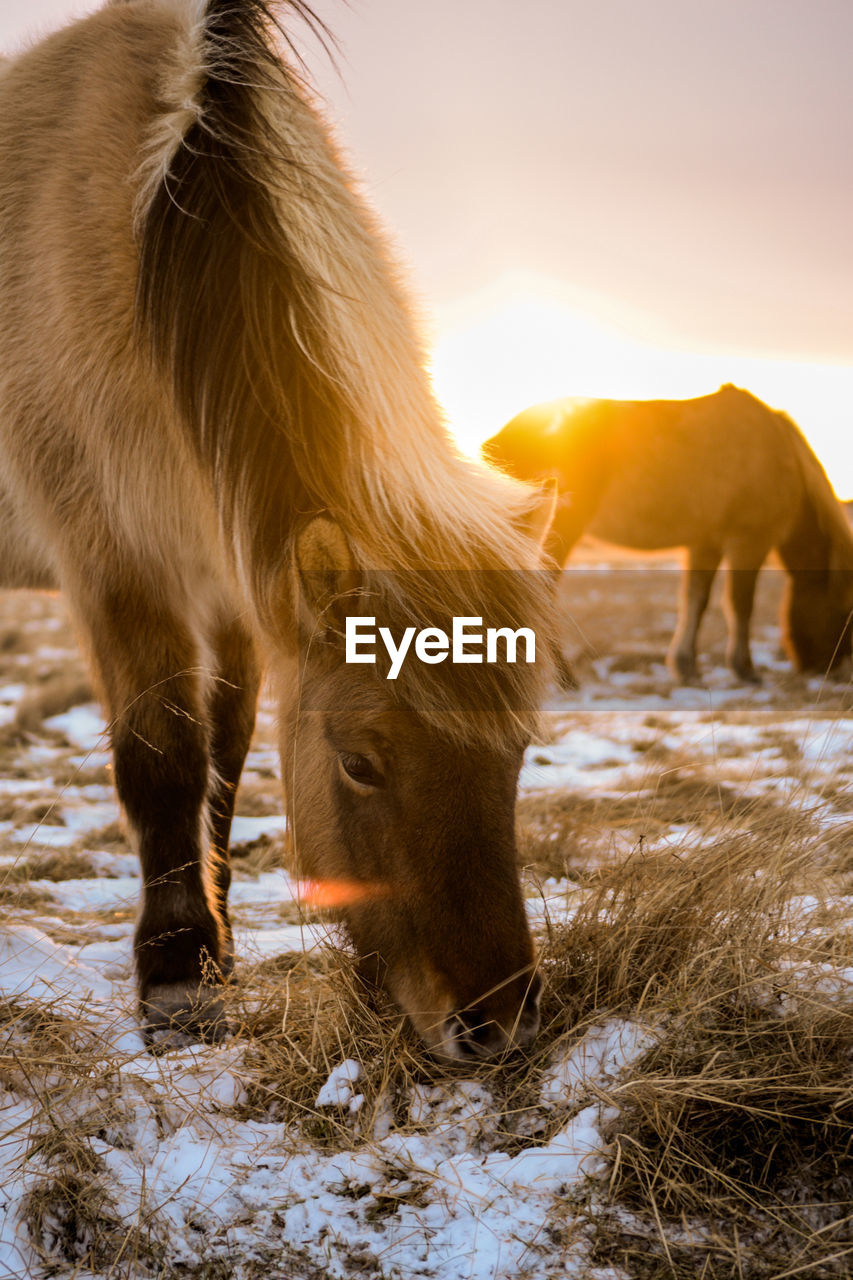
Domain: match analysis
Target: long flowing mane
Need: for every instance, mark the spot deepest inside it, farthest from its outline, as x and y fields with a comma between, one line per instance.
x=270, y=299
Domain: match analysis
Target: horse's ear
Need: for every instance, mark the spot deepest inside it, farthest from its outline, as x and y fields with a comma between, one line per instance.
x=537, y=522
x=326, y=571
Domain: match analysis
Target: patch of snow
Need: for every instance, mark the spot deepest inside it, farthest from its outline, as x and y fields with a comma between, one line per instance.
x=95, y=893
x=267, y=889
x=83, y=726
x=604, y=1052
x=24, y=787
x=579, y=759
x=244, y=830
x=32, y=965
x=74, y=823
x=574, y=1153
x=338, y=1090
x=254, y=944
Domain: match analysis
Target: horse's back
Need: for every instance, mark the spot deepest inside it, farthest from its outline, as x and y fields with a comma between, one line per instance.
x=708, y=471
x=75, y=110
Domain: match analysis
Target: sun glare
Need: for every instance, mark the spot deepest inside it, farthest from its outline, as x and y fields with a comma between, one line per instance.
x=522, y=342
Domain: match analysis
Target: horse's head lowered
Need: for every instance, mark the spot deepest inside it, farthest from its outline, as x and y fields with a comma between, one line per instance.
x=817, y=619
x=817, y=611
x=411, y=826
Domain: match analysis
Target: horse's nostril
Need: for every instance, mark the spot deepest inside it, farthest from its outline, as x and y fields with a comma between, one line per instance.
x=474, y=1034
x=470, y=1036
x=477, y=1029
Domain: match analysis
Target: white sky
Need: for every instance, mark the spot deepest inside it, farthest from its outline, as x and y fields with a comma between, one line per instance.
x=608, y=198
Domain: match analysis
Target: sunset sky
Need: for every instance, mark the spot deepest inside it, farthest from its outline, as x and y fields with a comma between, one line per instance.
x=607, y=198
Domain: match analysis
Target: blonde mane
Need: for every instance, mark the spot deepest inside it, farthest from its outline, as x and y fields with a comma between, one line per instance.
x=294, y=356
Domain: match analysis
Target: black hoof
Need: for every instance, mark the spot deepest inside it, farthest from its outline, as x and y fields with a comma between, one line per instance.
x=178, y=1014
x=684, y=669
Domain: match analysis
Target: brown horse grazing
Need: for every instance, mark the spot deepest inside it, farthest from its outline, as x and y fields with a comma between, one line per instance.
x=724, y=476
x=218, y=438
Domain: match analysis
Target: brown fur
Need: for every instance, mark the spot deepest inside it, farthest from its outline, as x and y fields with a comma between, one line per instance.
x=722, y=475
x=203, y=346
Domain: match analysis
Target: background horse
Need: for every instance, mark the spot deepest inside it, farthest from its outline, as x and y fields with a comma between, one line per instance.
x=724, y=476
x=218, y=438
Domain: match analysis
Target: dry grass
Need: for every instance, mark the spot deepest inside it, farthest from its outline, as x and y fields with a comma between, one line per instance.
x=254, y=799
x=24, y=896
x=39, y=1046
x=730, y=1139
x=69, y=1215
x=668, y=920
x=571, y=832
x=16, y=878
x=264, y=853
x=741, y=1116
x=55, y=864
x=303, y=1015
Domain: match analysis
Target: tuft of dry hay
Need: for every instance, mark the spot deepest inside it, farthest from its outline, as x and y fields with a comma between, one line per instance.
x=572, y=832
x=24, y=897
x=740, y=1118
x=303, y=1014
x=17, y=889
x=53, y=864
x=40, y=1047
x=71, y=1218
x=662, y=923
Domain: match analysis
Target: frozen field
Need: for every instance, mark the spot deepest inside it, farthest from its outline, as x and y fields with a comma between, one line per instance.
x=688, y=865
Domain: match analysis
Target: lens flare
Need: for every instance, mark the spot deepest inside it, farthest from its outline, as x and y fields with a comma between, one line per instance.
x=525, y=340
x=340, y=893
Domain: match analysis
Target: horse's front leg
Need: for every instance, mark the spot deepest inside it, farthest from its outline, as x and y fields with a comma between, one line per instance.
x=148, y=664
x=744, y=561
x=697, y=580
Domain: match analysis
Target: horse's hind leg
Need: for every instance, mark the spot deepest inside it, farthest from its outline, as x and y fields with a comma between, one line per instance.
x=696, y=583
x=148, y=662
x=231, y=711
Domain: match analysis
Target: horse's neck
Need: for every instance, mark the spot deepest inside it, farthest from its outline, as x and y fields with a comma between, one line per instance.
x=821, y=537
x=807, y=546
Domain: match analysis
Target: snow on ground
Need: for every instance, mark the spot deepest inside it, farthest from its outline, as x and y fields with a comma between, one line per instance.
x=442, y=1196
x=433, y=1200
x=625, y=746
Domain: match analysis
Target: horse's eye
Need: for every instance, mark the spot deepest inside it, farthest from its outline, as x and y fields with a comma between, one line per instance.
x=360, y=770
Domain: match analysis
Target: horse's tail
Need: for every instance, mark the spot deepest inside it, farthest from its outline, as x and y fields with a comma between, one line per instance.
x=270, y=300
